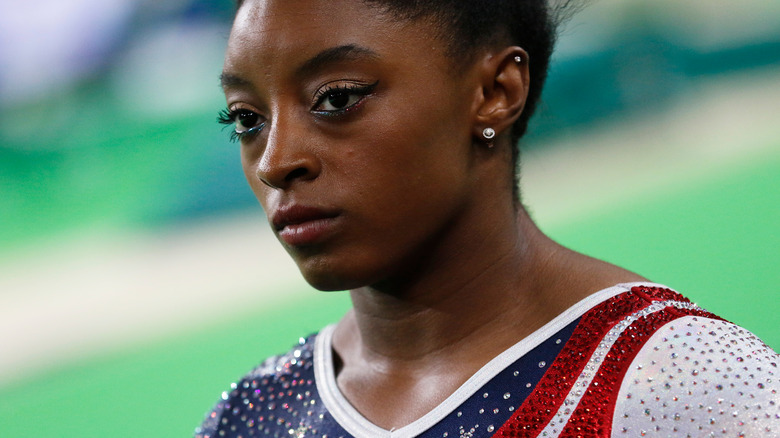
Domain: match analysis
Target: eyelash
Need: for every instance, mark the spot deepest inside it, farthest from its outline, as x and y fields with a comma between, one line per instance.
x=227, y=117
x=351, y=89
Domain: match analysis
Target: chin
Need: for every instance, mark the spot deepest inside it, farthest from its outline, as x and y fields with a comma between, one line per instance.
x=328, y=281
x=329, y=277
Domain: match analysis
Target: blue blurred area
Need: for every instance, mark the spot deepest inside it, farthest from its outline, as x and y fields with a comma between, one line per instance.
x=129, y=139
x=107, y=108
x=647, y=54
x=660, y=69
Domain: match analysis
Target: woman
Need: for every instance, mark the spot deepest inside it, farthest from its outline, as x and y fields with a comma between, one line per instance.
x=378, y=136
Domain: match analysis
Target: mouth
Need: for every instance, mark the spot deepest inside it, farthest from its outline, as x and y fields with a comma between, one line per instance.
x=299, y=225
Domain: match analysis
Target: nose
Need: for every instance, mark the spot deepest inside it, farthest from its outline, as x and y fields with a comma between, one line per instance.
x=288, y=157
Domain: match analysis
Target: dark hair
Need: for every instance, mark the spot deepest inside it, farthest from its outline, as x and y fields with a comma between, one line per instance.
x=466, y=26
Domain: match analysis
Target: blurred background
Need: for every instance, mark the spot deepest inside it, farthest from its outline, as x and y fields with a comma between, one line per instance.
x=137, y=274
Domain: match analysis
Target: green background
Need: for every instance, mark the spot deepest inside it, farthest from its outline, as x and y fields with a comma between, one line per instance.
x=114, y=151
x=716, y=240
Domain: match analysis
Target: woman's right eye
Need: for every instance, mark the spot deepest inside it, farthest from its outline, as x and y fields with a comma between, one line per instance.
x=247, y=122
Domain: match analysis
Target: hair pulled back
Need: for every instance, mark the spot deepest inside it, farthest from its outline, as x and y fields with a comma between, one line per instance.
x=465, y=26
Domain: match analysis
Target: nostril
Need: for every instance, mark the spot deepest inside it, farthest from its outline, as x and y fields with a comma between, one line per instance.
x=266, y=182
x=300, y=172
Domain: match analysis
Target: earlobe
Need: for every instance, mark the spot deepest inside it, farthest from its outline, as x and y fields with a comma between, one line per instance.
x=505, y=80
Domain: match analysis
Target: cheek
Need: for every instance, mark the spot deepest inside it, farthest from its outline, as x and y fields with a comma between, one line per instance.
x=249, y=167
x=406, y=185
x=406, y=158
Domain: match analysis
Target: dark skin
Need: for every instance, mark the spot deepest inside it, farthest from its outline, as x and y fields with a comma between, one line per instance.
x=367, y=122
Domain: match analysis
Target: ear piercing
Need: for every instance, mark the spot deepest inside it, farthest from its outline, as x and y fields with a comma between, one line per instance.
x=488, y=133
x=518, y=59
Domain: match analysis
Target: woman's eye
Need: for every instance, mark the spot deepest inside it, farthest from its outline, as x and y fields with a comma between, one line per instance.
x=246, y=120
x=339, y=99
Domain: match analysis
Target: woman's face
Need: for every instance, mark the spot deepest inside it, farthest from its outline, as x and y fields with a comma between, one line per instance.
x=358, y=138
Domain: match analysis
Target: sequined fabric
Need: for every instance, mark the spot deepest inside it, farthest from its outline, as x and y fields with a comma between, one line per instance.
x=283, y=398
x=592, y=390
x=476, y=409
x=642, y=361
x=277, y=399
x=700, y=377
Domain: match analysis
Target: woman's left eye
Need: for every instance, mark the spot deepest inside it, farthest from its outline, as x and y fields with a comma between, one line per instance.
x=340, y=99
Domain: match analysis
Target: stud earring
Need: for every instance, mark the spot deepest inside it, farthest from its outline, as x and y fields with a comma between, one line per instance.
x=518, y=59
x=488, y=133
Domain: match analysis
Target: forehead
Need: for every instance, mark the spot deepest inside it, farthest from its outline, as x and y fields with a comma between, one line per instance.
x=273, y=32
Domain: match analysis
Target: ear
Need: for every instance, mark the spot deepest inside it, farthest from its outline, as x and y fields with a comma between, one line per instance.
x=504, y=90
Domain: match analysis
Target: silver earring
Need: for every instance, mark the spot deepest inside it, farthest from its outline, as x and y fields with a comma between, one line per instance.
x=488, y=133
x=518, y=59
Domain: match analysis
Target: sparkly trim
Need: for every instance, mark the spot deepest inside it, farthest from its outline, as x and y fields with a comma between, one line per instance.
x=332, y=398
x=549, y=394
x=700, y=377
x=353, y=422
x=596, y=408
x=553, y=402
x=594, y=370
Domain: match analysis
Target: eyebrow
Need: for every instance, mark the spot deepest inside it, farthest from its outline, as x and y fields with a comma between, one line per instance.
x=230, y=80
x=347, y=52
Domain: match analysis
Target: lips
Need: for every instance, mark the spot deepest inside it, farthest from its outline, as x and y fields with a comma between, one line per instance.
x=299, y=225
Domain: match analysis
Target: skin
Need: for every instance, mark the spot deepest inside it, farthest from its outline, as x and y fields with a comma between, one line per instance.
x=445, y=271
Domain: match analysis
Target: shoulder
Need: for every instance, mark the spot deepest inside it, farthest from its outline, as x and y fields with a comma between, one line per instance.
x=652, y=363
x=700, y=374
x=263, y=385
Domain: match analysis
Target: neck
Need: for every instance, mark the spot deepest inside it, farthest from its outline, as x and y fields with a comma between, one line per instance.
x=483, y=299
x=413, y=341
x=480, y=296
